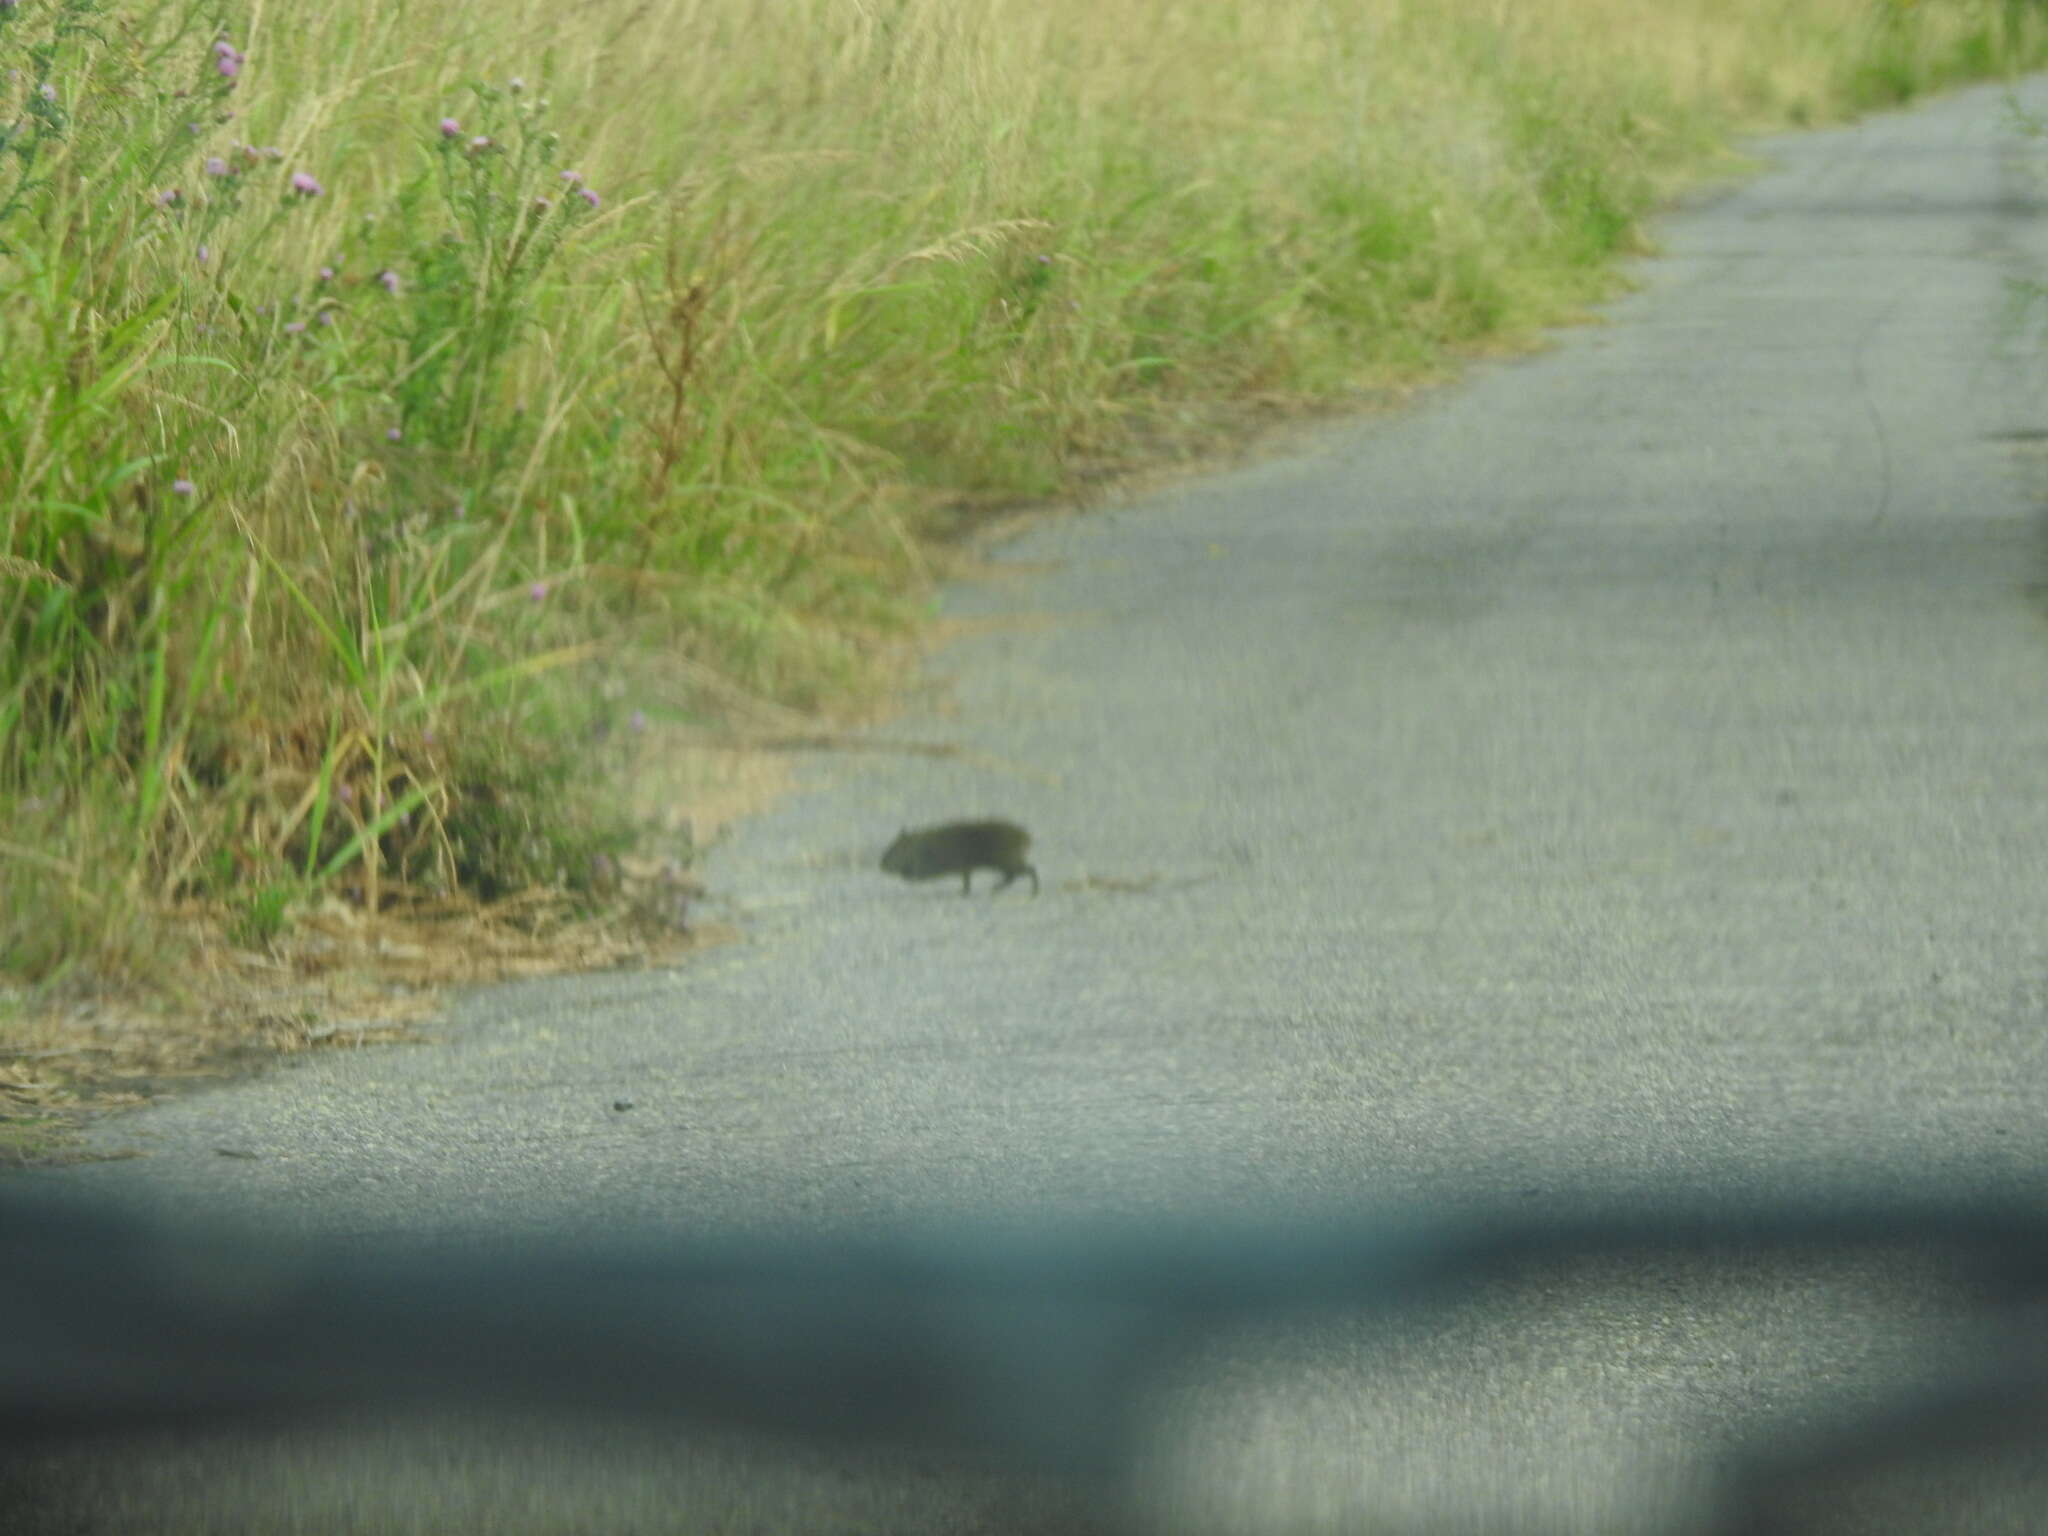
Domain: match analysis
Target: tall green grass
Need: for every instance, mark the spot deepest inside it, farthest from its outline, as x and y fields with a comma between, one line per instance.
x=397, y=397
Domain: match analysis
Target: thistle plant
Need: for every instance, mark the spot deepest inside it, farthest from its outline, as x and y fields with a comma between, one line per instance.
x=469, y=288
x=38, y=49
x=237, y=596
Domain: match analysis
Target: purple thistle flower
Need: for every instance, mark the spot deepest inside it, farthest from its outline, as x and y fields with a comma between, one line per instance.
x=541, y=205
x=222, y=48
x=305, y=185
x=637, y=721
x=47, y=91
x=393, y=433
x=389, y=279
x=344, y=794
x=215, y=166
x=193, y=129
x=184, y=488
x=515, y=85
x=588, y=196
x=327, y=274
x=229, y=64
x=572, y=177
x=203, y=254
x=450, y=129
x=479, y=144
x=168, y=196
x=327, y=317
x=293, y=327
x=538, y=591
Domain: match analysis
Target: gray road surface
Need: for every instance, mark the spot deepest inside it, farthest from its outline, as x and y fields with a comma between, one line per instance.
x=1628, y=763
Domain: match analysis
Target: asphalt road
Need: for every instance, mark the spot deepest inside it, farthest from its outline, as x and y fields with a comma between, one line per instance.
x=1625, y=765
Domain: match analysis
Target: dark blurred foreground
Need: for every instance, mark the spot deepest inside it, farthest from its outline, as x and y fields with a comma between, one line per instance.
x=1030, y=1351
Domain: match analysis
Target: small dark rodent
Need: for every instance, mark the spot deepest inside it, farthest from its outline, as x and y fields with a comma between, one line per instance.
x=960, y=848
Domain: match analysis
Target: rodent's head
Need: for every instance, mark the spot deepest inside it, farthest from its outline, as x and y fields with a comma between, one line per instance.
x=898, y=859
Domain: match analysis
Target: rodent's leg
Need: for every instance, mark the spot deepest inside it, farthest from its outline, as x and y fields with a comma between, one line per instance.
x=1034, y=878
x=967, y=880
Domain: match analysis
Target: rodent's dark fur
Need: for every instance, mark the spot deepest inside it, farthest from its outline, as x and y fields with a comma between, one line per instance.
x=960, y=848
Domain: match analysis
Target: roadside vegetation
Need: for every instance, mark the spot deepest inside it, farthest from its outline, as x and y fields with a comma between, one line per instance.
x=407, y=410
